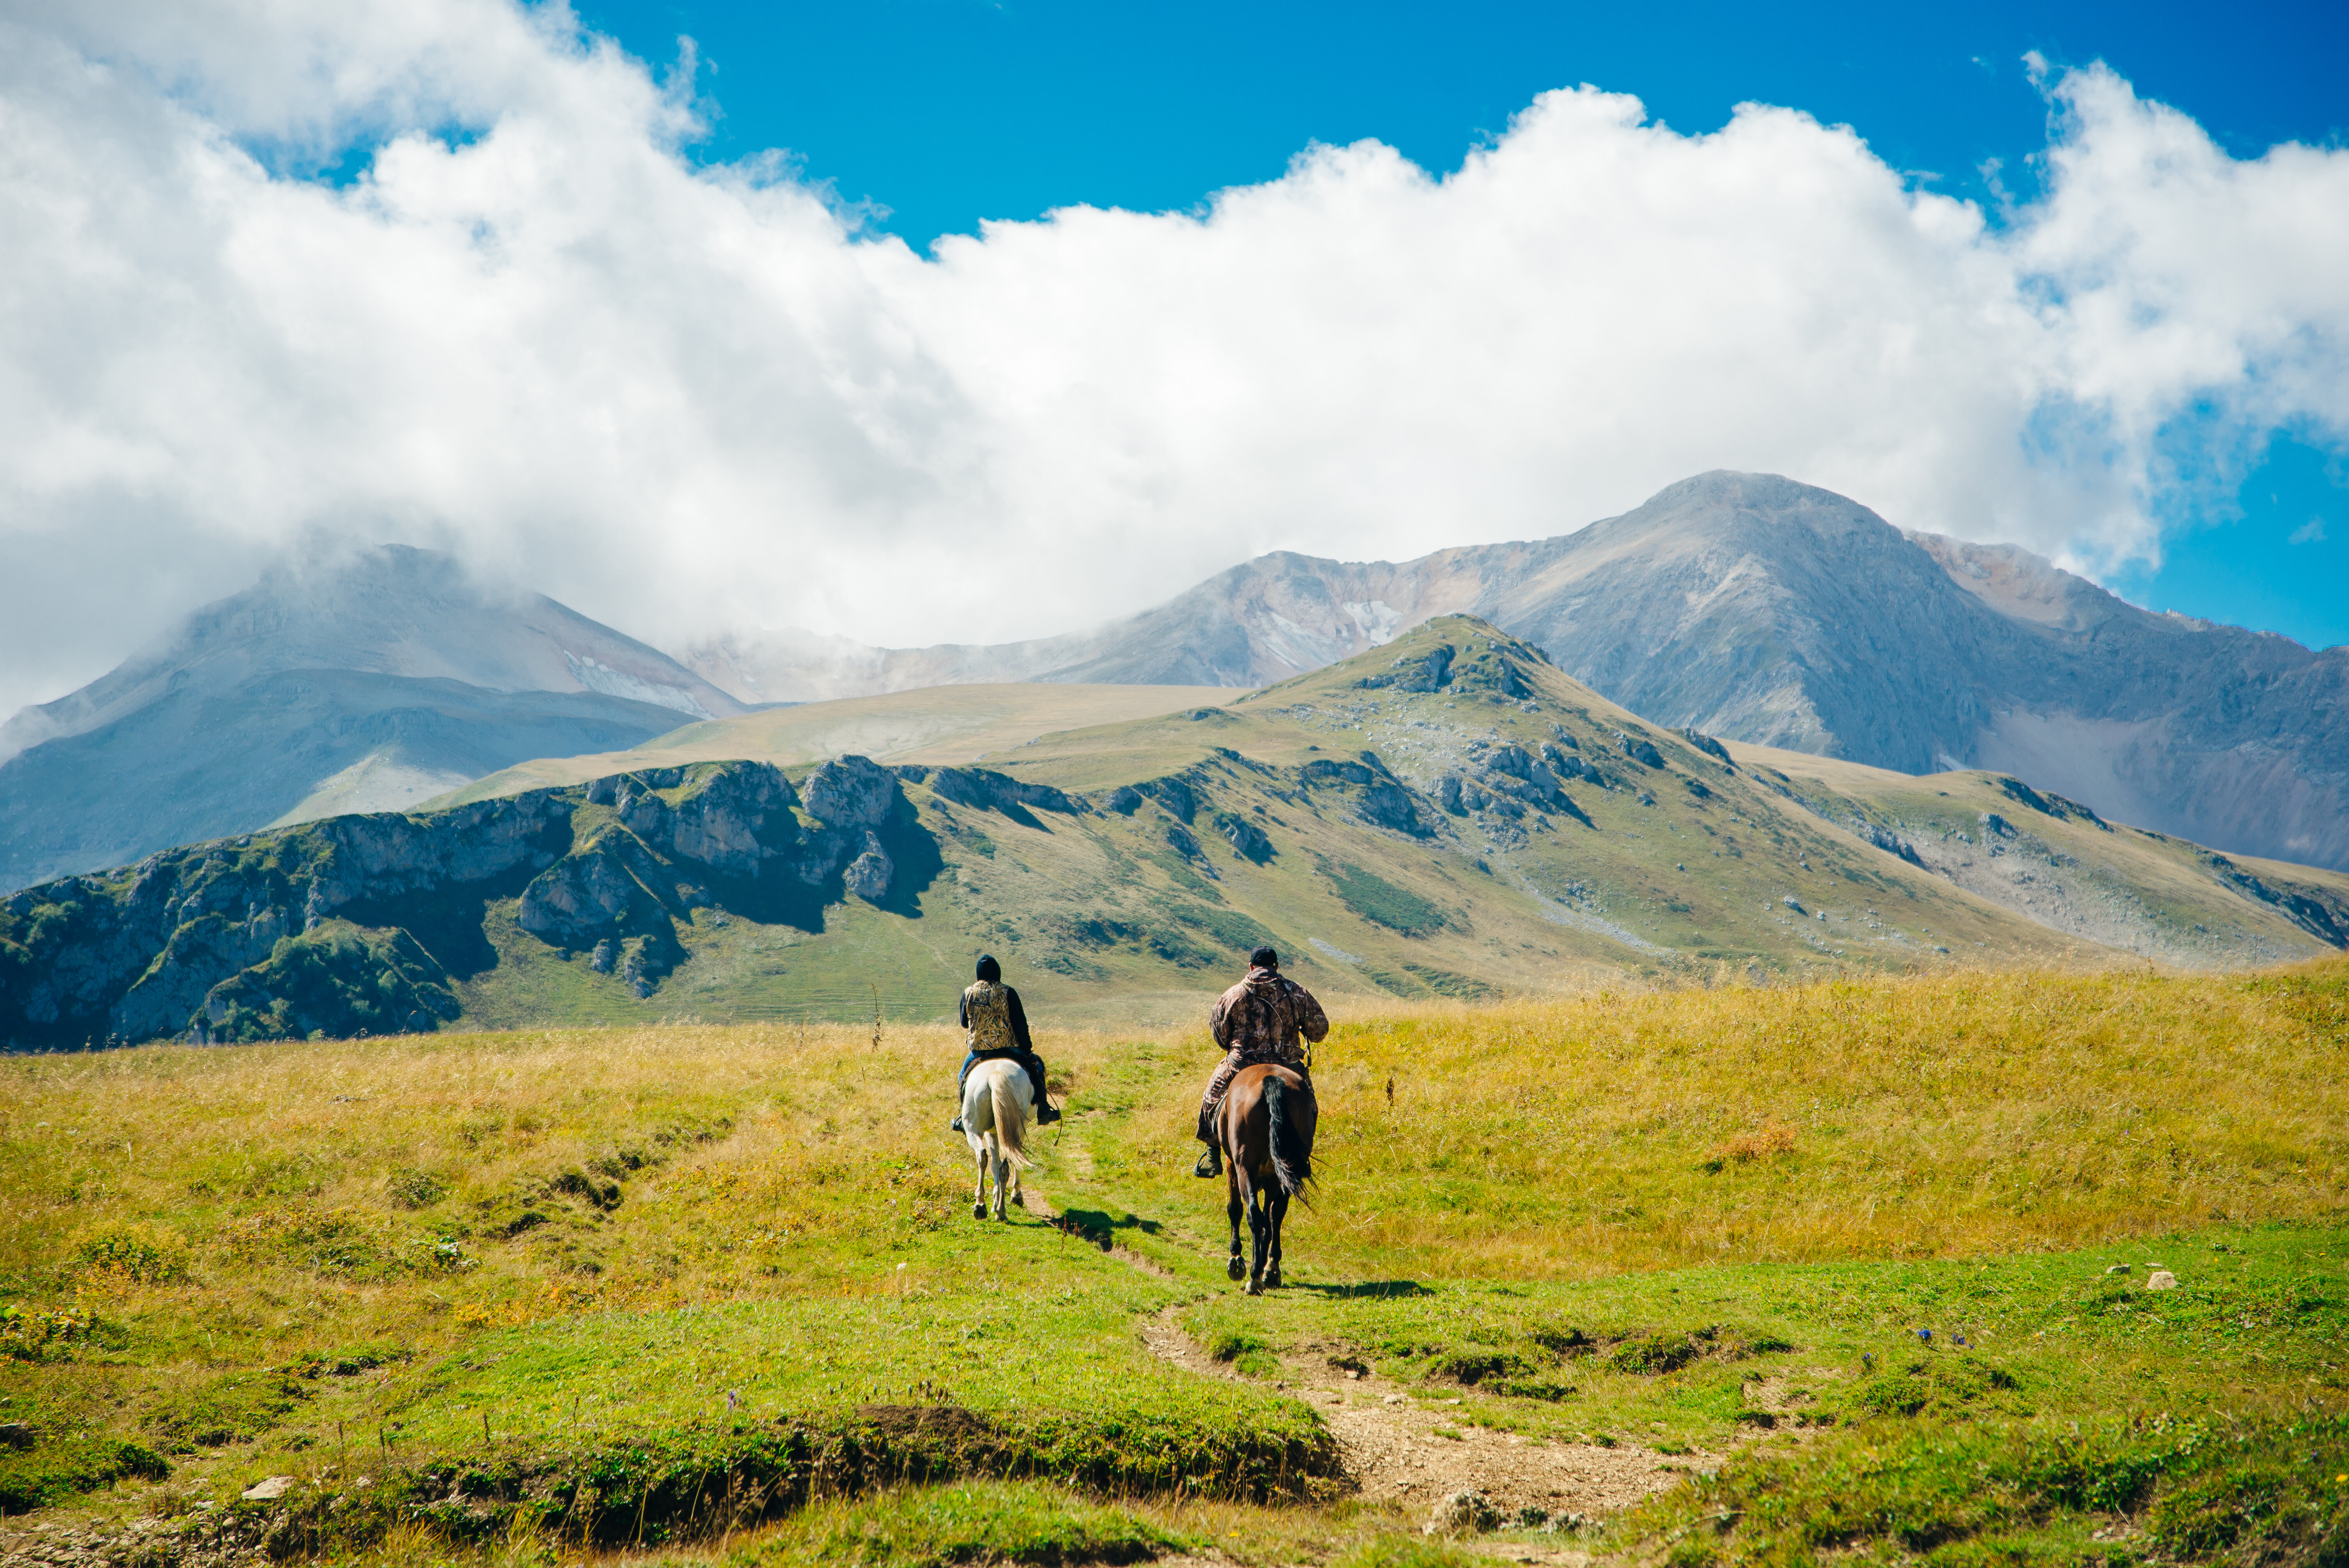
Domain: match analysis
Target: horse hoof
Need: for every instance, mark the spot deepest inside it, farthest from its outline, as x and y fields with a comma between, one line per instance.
x=1020, y=1199
x=1256, y=1287
x=1236, y=1268
x=978, y=1211
x=1272, y=1280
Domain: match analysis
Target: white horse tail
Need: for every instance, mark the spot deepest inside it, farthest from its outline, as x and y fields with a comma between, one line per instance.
x=1010, y=1121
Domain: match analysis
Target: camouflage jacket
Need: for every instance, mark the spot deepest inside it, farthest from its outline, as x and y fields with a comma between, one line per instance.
x=991, y=1012
x=1262, y=1017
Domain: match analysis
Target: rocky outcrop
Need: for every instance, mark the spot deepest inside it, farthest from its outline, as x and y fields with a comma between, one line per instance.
x=303, y=930
x=869, y=874
x=1247, y=841
x=990, y=790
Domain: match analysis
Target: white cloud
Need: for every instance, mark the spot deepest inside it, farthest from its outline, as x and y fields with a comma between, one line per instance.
x=685, y=400
x=2309, y=533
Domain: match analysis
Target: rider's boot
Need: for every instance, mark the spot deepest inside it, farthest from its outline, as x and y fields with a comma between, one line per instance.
x=1045, y=1113
x=1211, y=1163
x=957, y=1124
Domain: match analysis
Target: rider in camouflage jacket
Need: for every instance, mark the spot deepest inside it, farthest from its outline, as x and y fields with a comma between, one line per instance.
x=1258, y=1020
x=990, y=1010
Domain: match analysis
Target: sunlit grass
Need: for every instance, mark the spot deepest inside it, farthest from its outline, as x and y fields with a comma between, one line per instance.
x=1941, y=1117
x=539, y=1254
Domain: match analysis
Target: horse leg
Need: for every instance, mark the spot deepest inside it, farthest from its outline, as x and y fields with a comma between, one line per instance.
x=1259, y=1233
x=1276, y=1210
x=1002, y=1177
x=1235, y=1209
x=978, y=1192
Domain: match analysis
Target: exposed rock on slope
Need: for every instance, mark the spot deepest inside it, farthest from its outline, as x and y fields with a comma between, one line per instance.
x=1750, y=606
x=313, y=928
x=368, y=685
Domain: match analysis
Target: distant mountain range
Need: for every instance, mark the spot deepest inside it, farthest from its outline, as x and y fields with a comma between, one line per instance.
x=1768, y=612
x=1449, y=816
x=364, y=683
x=1743, y=606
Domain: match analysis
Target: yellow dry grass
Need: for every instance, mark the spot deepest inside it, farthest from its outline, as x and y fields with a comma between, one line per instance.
x=1952, y=1116
x=1935, y=1117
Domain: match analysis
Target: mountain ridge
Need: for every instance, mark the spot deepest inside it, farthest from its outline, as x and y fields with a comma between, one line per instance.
x=1777, y=614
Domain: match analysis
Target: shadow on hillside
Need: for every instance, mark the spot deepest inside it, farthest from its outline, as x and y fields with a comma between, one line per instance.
x=447, y=922
x=915, y=860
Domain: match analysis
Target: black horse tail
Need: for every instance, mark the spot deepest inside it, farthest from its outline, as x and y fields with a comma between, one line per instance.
x=1292, y=1150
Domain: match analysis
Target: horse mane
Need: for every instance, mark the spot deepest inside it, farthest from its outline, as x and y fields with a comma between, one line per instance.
x=1010, y=1119
x=1292, y=1156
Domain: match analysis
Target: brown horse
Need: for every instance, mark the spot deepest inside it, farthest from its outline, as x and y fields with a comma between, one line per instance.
x=1266, y=1125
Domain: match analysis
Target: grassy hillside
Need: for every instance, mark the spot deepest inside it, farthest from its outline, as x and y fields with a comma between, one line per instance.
x=666, y=1283
x=936, y=725
x=1246, y=823
x=2056, y=862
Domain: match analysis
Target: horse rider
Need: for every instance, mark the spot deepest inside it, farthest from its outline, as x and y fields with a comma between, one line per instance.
x=1258, y=1020
x=999, y=1028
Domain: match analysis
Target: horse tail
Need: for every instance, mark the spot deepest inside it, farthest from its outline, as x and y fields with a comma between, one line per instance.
x=1010, y=1121
x=1292, y=1150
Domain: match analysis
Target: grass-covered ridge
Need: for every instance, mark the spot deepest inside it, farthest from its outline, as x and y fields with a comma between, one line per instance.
x=1507, y=834
x=695, y=1278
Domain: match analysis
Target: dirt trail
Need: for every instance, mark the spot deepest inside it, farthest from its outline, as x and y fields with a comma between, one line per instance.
x=1403, y=1446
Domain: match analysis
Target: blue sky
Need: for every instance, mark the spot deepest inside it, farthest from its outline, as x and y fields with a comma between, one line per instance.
x=946, y=112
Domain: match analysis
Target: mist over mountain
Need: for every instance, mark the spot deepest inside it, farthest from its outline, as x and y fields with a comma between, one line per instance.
x=366, y=683
x=1774, y=613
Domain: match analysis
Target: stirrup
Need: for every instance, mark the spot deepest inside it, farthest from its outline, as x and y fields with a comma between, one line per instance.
x=1210, y=1165
x=958, y=1126
x=1045, y=1113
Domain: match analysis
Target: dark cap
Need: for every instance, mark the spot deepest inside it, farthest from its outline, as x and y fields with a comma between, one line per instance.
x=989, y=969
x=1264, y=958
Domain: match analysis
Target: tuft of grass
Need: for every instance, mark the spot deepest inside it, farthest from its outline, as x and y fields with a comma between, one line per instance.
x=993, y=1522
x=1407, y=1552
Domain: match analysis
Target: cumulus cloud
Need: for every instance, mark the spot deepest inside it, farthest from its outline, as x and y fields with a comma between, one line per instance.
x=690, y=400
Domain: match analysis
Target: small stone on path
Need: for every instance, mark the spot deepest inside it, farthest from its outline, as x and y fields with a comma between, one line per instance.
x=263, y=1490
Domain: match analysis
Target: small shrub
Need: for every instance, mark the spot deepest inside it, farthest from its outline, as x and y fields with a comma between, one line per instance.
x=139, y=1252
x=1655, y=1354
x=1474, y=1367
x=33, y=1334
x=1772, y=1138
x=413, y=1188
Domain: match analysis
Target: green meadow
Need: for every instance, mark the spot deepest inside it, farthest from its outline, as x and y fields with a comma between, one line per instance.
x=1835, y=1263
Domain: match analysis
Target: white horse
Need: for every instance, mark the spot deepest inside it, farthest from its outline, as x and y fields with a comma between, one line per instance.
x=996, y=1101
